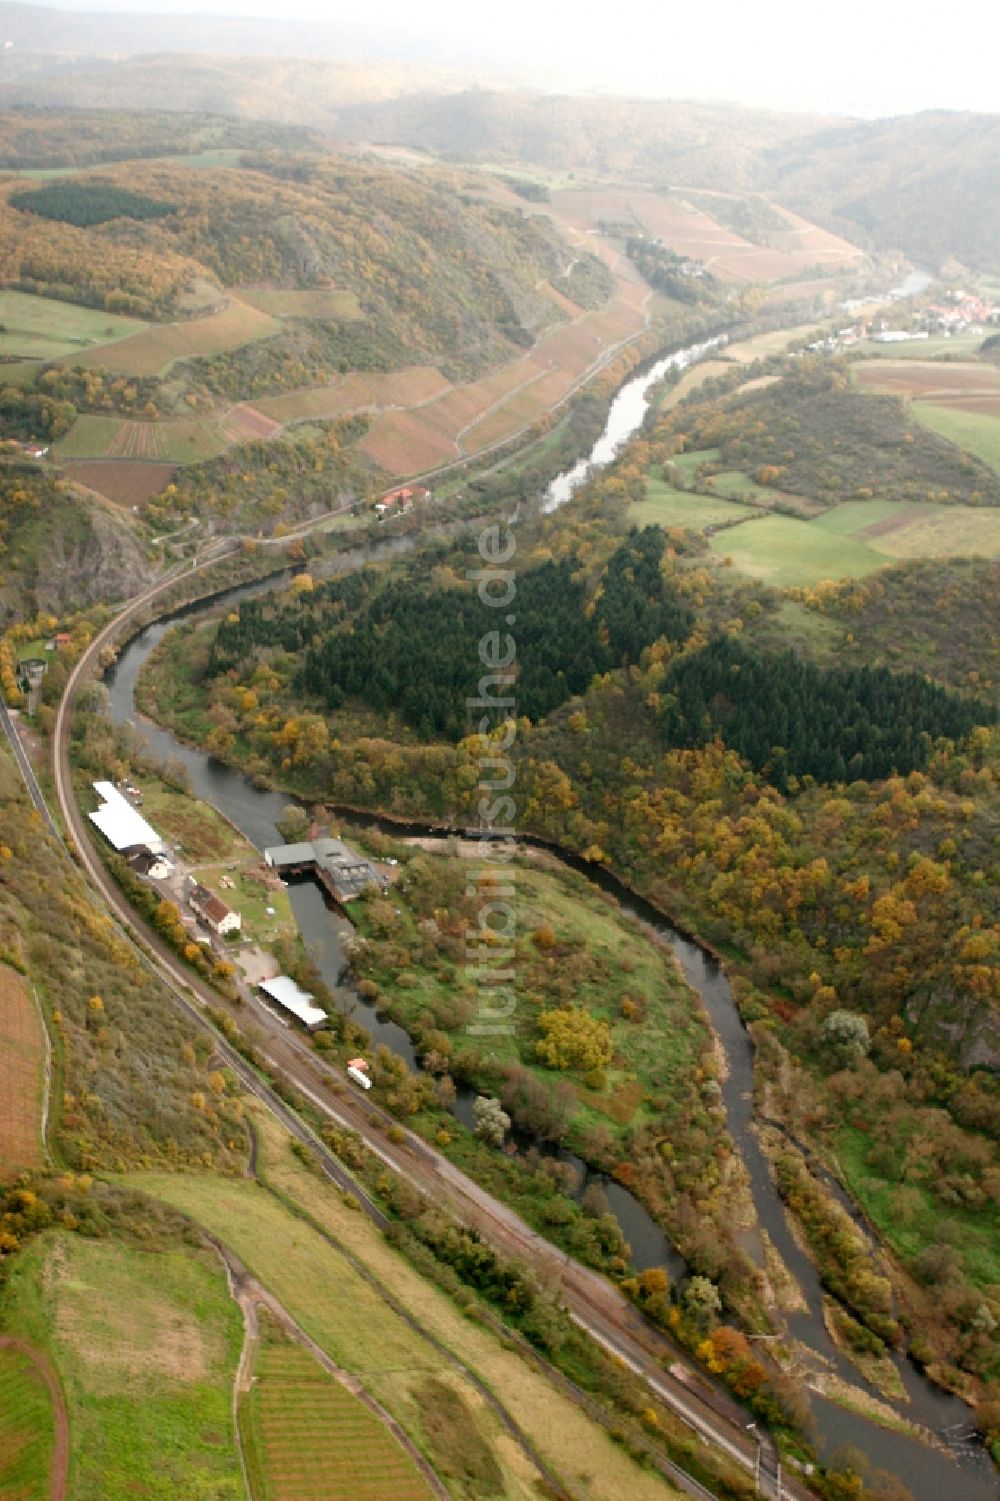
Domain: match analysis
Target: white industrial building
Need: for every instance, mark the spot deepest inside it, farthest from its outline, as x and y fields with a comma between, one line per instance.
x=296, y=1001
x=122, y=825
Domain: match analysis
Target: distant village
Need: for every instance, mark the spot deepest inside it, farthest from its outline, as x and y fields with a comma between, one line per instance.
x=957, y=313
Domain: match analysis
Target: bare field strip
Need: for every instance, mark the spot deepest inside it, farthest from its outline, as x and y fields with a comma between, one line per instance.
x=151, y=352
x=314, y=302
x=243, y=423
x=123, y=481
x=356, y=392
x=402, y=443
x=930, y=531
x=136, y=440
x=571, y=309
x=22, y=1053
x=928, y=380
x=691, y=379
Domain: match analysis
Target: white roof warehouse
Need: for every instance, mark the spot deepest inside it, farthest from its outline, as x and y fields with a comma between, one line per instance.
x=122, y=825
x=294, y=999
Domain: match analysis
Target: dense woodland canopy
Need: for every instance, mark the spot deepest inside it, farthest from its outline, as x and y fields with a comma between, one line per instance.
x=789, y=718
x=672, y=274
x=84, y=204
x=412, y=648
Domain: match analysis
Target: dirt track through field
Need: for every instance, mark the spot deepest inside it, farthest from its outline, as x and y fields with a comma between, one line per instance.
x=60, y=1447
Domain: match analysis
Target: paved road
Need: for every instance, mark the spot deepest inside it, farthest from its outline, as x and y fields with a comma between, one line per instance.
x=593, y=1302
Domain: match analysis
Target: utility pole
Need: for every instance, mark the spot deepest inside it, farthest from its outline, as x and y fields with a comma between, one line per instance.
x=752, y=1428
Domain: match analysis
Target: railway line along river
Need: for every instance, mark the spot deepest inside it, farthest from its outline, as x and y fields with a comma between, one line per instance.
x=930, y=1474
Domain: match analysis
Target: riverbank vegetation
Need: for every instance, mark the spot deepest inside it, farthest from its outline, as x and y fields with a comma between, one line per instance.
x=639, y=1102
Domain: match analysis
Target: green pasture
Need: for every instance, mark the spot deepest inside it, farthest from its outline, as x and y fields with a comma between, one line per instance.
x=44, y=328
x=977, y=432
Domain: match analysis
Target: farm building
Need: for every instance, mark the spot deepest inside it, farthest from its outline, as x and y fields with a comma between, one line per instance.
x=213, y=912
x=121, y=824
x=145, y=863
x=399, y=501
x=343, y=872
x=296, y=1001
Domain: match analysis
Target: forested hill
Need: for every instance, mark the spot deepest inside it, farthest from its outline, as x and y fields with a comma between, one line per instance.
x=31, y=140
x=437, y=275
x=922, y=183
x=927, y=183
x=693, y=144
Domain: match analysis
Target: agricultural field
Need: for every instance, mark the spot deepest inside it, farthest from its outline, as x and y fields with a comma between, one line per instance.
x=574, y=1446
x=944, y=382
x=690, y=231
x=402, y=443
x=124, y=482
x=775, y=342
x=916, y=530
x=161, y=344
x=27, y=1428
x=307, y=1438
x=855, y=538
x=314, y=302
x=43, y=328
x=355, y=1327
x=243, y=423
x=187, y=441
x=22, y=1053
x=925, y=349
x=689, y=381
x=789, y=553
x=666, y=506
x=146, y=1345
x=976, y=430
x=353, y=393
x=88, y=438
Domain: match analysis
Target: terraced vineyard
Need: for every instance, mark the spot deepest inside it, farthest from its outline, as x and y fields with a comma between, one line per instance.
x=307, y=1438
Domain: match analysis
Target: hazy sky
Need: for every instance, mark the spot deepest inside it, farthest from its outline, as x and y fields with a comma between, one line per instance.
x=851, y=56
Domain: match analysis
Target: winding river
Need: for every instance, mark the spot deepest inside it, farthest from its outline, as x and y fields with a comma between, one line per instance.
x=929, y=1474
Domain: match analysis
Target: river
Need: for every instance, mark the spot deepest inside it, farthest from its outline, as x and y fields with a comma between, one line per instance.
x=625, y=417
x=929, y=1474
